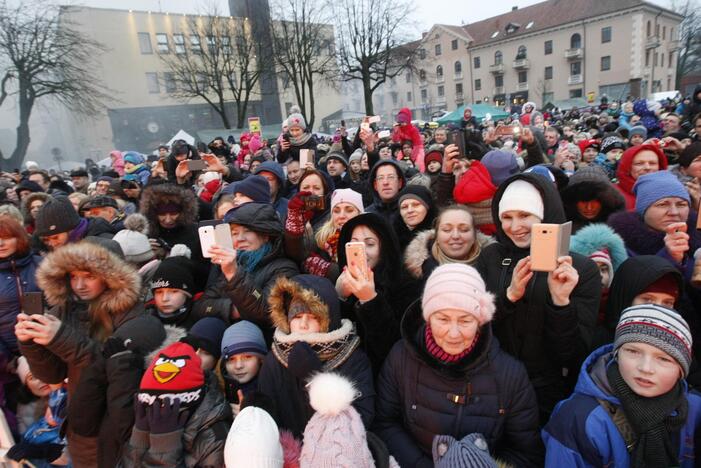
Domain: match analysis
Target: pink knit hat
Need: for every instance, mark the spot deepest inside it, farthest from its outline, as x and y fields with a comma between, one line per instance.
x=347, y=196
x=457, y=286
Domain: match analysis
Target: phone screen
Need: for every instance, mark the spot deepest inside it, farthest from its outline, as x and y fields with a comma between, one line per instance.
x=196, y=165
x=33, y=303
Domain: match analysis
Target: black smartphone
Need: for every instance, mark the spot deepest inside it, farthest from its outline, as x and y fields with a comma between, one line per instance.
x=457, y=138
x=314, y=203
x=286, y=137
x=32, y=303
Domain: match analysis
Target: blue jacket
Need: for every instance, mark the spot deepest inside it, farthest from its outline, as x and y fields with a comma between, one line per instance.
x=581, y=433
x=23, y=268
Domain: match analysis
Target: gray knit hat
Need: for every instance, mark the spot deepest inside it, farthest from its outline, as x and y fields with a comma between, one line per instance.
x=243, y=337
x=470, y=452
x=57, y=215
x=657, y=326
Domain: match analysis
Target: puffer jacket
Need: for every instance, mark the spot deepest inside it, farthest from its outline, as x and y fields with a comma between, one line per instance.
x=14, y=272
x=488, y=392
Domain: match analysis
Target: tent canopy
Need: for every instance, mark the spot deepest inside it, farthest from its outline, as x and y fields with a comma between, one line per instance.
x=182, y=135
x=479, y=111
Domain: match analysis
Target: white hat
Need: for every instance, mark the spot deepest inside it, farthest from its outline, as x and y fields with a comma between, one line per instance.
x=253, y=441
x=347, y=196
x=522, y=196
x=133, y=239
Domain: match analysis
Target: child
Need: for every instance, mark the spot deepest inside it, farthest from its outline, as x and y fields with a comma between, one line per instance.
x=173, y=288
x=242, y=349
x=206, y=336
x=631, y=406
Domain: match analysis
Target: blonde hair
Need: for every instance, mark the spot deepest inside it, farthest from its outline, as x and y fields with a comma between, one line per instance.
x=436, y=251
x=324, y=232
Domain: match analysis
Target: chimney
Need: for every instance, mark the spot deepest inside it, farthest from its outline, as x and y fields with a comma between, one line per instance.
x=514, y=8
x=423, y=34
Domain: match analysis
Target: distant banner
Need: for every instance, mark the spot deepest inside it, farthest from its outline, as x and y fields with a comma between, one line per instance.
x=590, y=96
x=254, y=125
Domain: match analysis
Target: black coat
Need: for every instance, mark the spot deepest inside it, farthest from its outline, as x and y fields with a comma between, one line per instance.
x=417, y=400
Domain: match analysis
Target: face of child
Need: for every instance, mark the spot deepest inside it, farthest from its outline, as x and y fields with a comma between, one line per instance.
x=648, y=371
x=605, y=273
x=86, y=285
x=243, y=367
x=305, y=323
x=614, y=154
x=207, y=360
x=434, y=166
x=168, y=300
x=589, y=154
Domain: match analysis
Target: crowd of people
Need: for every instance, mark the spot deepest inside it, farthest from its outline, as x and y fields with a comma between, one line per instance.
x=129, y=340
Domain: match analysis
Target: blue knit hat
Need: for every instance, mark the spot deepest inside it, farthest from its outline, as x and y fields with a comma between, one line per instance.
x=638, y=130
x=243, y=337
x=208, y=333
x=500, y=164
x=133, y=157
x=657, y=185
x=255, y=187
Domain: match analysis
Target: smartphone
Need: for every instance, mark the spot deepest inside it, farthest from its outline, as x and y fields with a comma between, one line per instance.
x=355, y=254
x=305, y=157
x=32, y=303
x=365, y=126
x=548, y=243
x=457, y=138
x=374, y=119
x=214, y=233
x=504, y=131
x=207, y=239
x=383, y=134
x=314, y=203
x=196, y=165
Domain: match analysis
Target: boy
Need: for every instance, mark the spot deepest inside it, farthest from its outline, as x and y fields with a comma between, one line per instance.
x=173, y=288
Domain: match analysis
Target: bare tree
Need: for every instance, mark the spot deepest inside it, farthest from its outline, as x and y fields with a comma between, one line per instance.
x=542, y=88
x=47, y=57
x=372, y=37
x=689, y=59
x=303, y=48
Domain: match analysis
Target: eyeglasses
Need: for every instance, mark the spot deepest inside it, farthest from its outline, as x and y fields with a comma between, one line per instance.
x=389, y=178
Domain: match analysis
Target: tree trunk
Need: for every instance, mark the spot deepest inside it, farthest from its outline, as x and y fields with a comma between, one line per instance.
x=367, y=94
x=224, y=116
x=26, y=103
x=312, y=114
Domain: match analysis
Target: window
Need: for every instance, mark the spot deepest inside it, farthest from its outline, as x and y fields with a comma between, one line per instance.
x=647, y=58
x=162, y=41
x=169, y=82
x=458, y=89
x=575, y=41
x=523, y=76
x=201, y=81
x=422, y=54
x=671, y=54
x=548, y=73
x=654, y=62
x=499, y=81
x=454, y=44
x=439, y=72
x=548, y=47
x=179, y=42
x=457, y=68
x=408, y=96
x=498, y=58
x=664, y=32
x=649, y=28
x=575, y=93
x=438, y=50
x=195, y=44
x=671, y=34
x=422, y=75
x=408, y=77
x=395, y=97
x=606, y=63
x=575, y=68
x=657, y=30
x=145, y=43
x=441, y=91
x=478, y=84
x=662, y=59
x=226, y=45
x=211, y=44
x=424, y=95
x=521, y=53
x=152, y=83
x=477, y=61
x=606, y=34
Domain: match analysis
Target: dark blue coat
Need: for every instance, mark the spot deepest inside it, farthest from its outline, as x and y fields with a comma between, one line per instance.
x=24, y=269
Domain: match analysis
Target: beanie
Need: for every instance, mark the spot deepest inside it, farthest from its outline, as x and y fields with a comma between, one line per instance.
x=667, y=284
x=603, y=256
x=100, y=201
x=338, y=156
x=57, y=215
x=142, y=335
x=612, y=142
x=638, y=130
x=418, y=193
x=174, y=273
x=243, y=337
x=657, y=326
x=175, y=372
x=335, y=435
x=584, y=144
x=522, y=196
x=296, y=120
x=457, y=286
x=347, y=196
x=356, y=156
x=544, y=171
x=650, y=188
x=253, y=441
x=207, y=333
x=690, y=153
x=133, y=239
x=28, y=185
x=404, y=115
x=255, y=187
x=470, y=452
x=500, y=164
x=133, y=157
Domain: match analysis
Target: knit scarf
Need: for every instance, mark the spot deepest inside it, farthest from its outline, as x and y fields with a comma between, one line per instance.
x=443, y=259
x=332, y=242
x=300, y=140
x=654, y=420
x=249, y=259
x=438, y=353
x=79, y=231
x=332, y=348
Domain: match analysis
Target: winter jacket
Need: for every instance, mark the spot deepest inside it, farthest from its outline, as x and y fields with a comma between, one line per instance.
x=625, y=180
x=545, y=337
x=590, y=183
x=388, y=210
x=694, y=107
x=487, y=392
x=200, y=444
x=14, y=273
x=293, y=153
x=581, y=432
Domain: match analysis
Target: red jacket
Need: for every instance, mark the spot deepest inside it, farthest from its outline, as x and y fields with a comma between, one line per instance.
x=625, y=180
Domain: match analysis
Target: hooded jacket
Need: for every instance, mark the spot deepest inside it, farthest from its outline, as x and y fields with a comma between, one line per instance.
x=590, y=183
x=582, y=433
x=625, y=180
x=545, y=337
x=13, y=272
x=280, y=202
x=487, y=392
x=409, y=132
x=406, y=235
x=475, y=190
x=388, y=210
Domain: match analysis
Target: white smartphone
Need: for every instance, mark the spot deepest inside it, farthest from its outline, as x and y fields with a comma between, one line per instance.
x=206, y=239
x=548, y=243
x=374, y=119
x=304, y=158
x=383, y=134
x=219, y=235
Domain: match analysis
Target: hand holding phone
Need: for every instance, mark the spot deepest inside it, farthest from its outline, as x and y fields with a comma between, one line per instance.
x=32, y=303
x=215, y=235
x=305, y=157
x=196, y=165
x=356, y=258
x=549, y=242
x=676, y=241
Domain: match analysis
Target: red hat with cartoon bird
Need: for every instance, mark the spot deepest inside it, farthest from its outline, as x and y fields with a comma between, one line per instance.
x=175, y=372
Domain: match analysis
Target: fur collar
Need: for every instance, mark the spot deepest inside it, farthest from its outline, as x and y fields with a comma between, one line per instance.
x=173, y=335
x=332, y=348
x=157, y=195
x=279, y=300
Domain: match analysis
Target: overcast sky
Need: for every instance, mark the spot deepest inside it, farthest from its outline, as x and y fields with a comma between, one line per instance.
x=427, y=13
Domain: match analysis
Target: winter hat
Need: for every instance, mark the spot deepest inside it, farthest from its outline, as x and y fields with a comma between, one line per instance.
x=207, y=333
x=603, y=256
x=304, y=294
x=255, y=144
x=104, y=178
x=338, y=156
x=470, y=452
x=210, y=176
x=335, y=435
x=521, y=195
x=100, y=201
x=500, y=164
x=272, y=167
x=543, y=171
x=57, y=215
x=356, y=156
x=23, y=370
x=142, y=335
x=253, y=441
x=584, y=144
x=433, y=156
x=347, y=196
x=657, y=326
x=418, y=193
x=667, y=284
x=175, y=372
x=638, y=130
x=457, y=286
x=255, y=187
x=612, y=142
x=690, y=153
x=404, y=115
x=657, y=185
x=174, y=273
x=133, y=157
x=296, y=120
x=133, y=239
x=28, y=185
x=243, y=337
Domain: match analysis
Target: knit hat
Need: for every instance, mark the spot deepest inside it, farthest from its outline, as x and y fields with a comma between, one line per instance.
x=356, y=156
x=347, y=196
x=335, y=435
x=79, y=172
x=243, y=337
x=207, y=333
x=57, y=215
x=338, y=156
x=638, y=130
x=470, y=452
x=418, y=193
x=28, y=185
x=603, y=256
x=521, y=195
x=23, y=369
x=404, y=115
x=104, y=178
x=133, y=157
x=253, y=441
x=175, y=372
x=133, y=239
x=690, y=153
x=500, y=164
x=657, y=185
x=584, y=144
x=142, y=335
x=255, y=187
x=667, y=284
x=657, y=326
x=100, y=201
x=457, y=286
x=296, y=120
x=612, y=142
x=174, y=273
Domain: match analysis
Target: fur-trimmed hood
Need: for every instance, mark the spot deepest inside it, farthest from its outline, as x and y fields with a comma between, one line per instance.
x=157, y=195
x=419, y=250
x=316, y=292
x=596, y=237
x=122, y=280
x=27, y=202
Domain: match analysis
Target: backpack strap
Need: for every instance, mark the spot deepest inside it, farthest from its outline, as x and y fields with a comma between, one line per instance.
x=619, y=420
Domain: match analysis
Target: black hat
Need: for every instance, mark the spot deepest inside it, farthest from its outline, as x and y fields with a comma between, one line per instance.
x=80, y=172
x=57, y=215
x=174, y=273
x=27, y=184
x=101, y=201
x=690, y=153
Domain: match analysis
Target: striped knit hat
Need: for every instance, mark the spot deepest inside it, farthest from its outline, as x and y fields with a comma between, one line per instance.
x=657, y=326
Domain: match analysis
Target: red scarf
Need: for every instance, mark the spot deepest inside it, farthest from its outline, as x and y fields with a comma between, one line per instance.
x=438, y=353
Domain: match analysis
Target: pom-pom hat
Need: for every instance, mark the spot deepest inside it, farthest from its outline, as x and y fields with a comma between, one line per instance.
x=458, y=287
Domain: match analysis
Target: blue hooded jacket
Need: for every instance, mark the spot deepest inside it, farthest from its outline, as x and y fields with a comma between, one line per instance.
x=581, y=433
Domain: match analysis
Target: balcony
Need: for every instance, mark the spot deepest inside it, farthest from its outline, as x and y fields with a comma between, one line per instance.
x=574, y=80
x=497, y=69
x=652, y=42
x=498, y=90
x=457, y=76
x=458, y=97
x=522, y=64
x=522, y=87
x=574, y=54
x=440, y=79
x=674, y=45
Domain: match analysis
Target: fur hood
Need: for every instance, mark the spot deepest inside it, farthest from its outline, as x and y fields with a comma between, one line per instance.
x=31, y=198
x=317, y=293
x=419, y=250
x=595, y=237
x=173, y=335
x=157, y=195
x=123, y=281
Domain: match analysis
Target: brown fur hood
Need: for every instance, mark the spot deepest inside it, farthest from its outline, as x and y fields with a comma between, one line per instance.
x=419, y=250
x=123, y=281
x=317, y=293
x=157, y=195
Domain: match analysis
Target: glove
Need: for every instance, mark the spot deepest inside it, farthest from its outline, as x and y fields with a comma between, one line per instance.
x=141, y=415
x=167, y=417
x=303, y=361
x=25, y=450
x=112, y=346
x=315, y=265
x=297, y=216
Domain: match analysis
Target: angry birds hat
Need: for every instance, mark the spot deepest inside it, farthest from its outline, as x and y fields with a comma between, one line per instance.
x=175, y=372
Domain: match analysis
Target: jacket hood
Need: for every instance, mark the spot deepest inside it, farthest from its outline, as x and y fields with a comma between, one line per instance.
x=625, y=180
x=258, y=217
x=602, y=190
x=157, y=195
x=316, y=292
x=592, y=379
x=373, y=171
x=122, y=280
x=273, y=168
x=695, y=98
x=475, y=185
x=27, y=202
x=553, y=211
x=596, y=237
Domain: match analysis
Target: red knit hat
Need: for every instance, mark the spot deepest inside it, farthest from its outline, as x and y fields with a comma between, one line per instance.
x=667, y=284
x=175, y=372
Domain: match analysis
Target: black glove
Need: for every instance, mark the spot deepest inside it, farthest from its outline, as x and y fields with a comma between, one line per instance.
x=25, y=450
x=166, y=417
x=303, y=361
x=112, y=346
x=141, y=415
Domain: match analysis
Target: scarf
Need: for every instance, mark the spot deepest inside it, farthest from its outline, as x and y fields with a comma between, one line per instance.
x=438, y=353
x=299, y=141
x=79, y=231
x=654, y=420
x=332, y=243
x=443, y=259
x=332, y=348
x=249, y=259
